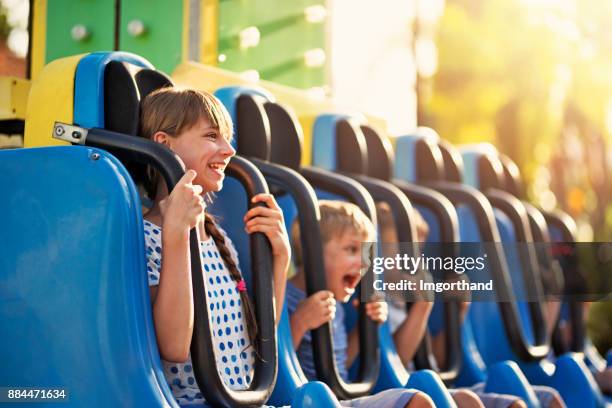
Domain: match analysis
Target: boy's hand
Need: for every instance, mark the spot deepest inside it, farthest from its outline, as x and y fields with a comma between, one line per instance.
x=184, y=207
x=315, y=310
x=375, y=310
x=271, y=222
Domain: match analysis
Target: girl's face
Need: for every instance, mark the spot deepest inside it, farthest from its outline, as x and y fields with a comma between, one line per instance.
x=343, y=264
x=205, y=150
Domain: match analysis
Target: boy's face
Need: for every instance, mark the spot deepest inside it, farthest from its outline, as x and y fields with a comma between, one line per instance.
x=343, y=264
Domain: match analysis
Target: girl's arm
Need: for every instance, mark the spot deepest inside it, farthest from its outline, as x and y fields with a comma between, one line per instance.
x=172, y=300
x=269, y=220
x=409, y=334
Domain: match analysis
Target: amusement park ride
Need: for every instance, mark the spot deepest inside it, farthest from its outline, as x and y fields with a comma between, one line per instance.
x=75, y=311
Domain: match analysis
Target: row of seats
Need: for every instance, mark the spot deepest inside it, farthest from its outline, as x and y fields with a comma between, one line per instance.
x=74, y=287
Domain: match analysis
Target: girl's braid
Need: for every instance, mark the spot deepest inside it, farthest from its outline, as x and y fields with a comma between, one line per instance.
x=247, y=305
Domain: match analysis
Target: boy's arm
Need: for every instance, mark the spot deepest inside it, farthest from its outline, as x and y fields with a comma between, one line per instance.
x=311, y=313
x=409, y=334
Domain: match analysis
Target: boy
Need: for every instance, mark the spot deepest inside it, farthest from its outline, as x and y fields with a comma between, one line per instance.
x=343, y=228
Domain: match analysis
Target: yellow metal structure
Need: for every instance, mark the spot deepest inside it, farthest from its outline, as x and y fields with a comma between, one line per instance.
x=51, y=99
x=13, y=97
x=210, y=32
x=39, y=41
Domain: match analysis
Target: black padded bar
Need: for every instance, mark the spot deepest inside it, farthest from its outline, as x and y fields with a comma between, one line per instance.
x=564, y=223
x=380, y=166
x=550, y=271
x=483, y=213
x=286, y=149
x=368, y=329
x=449, y=233
x=308, y=217
x=514, y=209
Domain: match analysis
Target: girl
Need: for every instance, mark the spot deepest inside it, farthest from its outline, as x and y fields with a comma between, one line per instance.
x=198, y=129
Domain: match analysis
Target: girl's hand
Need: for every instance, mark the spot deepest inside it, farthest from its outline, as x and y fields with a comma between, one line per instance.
x=375, y=310
x=270, y=221
x=184, y=207
x=315, y=310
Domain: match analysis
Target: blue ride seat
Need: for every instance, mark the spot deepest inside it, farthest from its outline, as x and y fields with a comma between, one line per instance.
x=339, y=146
x=558, y=227
x=419, y=153
x=484, y=170
x=74, y=302
x=442, y=221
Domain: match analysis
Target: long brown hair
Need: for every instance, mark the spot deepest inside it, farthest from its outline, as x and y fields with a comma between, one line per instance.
x=173, y=111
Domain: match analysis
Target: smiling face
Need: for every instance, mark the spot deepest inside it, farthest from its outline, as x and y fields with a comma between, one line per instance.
x=193, y=124
x=204, y=149
x=343, y=263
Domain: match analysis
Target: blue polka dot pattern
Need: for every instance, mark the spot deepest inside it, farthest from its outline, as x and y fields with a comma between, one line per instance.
x=234, y=361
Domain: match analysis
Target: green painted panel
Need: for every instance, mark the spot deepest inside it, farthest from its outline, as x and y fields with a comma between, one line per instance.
x=285, y=36
x=235, y=15
x=161, y=43
x=97, y=16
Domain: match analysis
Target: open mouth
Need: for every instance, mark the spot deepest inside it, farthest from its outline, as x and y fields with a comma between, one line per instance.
x=218, y=168
x=349, y=282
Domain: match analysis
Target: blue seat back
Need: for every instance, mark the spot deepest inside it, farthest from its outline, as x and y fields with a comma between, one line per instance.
x=74, y=301
x=497, y=348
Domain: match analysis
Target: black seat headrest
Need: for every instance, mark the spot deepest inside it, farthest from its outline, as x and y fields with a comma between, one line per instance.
x=453, y=162
x=253, y=127
x=125, y=85
x=380, y=154
x=429, y=161
x=286, y=136
x=490, y=172
x=351, y=148
x=512, y=179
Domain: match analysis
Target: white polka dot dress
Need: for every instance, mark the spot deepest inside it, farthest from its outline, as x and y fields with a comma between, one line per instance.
x=234, y=360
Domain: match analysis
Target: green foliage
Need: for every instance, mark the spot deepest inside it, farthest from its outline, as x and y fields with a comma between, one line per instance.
x=509, y=72
x=5, y=28
x=519, y=74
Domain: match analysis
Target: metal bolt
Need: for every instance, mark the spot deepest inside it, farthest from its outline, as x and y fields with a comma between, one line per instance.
x=136, y=28
x=76, y=134
x=59, y=130
x=95, y=156
x=79, y=32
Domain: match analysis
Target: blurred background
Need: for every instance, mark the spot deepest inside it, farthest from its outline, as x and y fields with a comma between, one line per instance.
x=532, y=77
